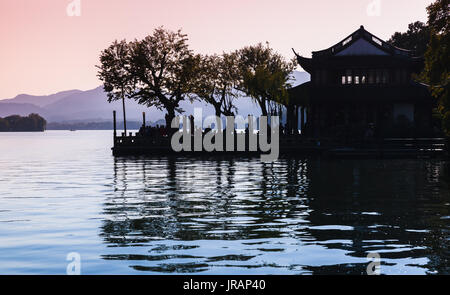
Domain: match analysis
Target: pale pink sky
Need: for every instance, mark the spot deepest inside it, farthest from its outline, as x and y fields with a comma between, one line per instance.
x=43, y=50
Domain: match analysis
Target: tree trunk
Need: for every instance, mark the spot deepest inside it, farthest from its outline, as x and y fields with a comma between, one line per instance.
x=263, y=109
x=263, y=105
x=228, y=113
x=218, y=111
x=169, y=117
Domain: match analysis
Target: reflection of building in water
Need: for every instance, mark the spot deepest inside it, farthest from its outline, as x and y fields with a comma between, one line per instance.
x=359, y=84
x=394, y=207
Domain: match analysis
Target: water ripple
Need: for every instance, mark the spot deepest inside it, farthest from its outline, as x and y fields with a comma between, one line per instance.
x=65, y=192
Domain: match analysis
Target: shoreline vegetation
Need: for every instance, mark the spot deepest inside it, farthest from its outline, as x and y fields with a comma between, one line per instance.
x=132, y=125
x=16, y=123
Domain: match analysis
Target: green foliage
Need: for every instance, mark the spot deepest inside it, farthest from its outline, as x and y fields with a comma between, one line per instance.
x=115, y=71
x=217, y=82
x=264, y=75
x=4, y=125
x=165, y=68
x=437, y=59
x=436, y=74
x=432, y=40
x=158, y=70
x=32, y=122
x=438, y=16
x=416, y=38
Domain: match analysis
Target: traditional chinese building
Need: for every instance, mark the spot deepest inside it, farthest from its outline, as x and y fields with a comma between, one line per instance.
x=361, y=86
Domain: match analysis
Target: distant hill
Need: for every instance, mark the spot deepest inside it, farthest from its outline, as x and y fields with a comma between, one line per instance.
x=76, y=106
x=21, y=109
x=91, y=105
x=299, y=78
x=40, y=101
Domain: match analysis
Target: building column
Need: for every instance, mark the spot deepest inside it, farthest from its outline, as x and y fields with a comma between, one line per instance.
x=365, y=115
x=302, y=119
x=346, y=114
x=318, y=120
x=294, y=120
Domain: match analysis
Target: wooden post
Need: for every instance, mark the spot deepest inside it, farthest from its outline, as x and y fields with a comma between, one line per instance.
x=124, y=115
x=191, y=124
x=143, y=119
x=115, y=127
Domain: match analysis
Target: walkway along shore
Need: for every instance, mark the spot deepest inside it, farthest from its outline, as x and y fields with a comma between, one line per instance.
x=290, y=145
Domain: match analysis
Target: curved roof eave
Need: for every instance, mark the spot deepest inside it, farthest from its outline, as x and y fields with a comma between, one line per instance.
x=304, y=62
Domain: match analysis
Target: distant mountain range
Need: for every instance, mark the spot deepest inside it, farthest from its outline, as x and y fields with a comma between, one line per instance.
x=75, y=106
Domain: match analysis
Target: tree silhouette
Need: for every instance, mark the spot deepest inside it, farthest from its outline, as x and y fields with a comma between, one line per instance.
x=217, y=82
x=416, y=38
x=32, y=122
x=264, y=75
x=159, y=70
x=437, y=62
x=4, y=125
x=115, y=72
x=438, y=16
x=432, y=40
x=165, y=68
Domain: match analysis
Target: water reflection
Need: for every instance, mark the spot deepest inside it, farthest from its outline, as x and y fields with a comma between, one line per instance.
x=305, y=215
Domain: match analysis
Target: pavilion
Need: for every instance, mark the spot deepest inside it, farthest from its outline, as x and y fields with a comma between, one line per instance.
x=358, y=84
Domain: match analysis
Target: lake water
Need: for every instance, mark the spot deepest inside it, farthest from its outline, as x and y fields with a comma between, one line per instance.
x=63, y=192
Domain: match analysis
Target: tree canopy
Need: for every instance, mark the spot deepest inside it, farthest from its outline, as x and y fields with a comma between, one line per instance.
x=415, y=38
x=159, y=70
x=437, y=62
x=115, y=71
x=432, y=40
x=264, y=76
x=217, y=82
x=438, y=16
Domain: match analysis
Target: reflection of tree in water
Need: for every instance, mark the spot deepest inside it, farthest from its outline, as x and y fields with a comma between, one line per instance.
x=190, y=200
x=357, y=207
x=207, y=193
